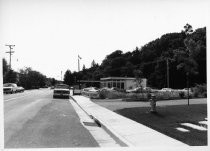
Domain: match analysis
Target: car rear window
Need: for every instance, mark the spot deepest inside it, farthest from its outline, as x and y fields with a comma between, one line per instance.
x=62, y=86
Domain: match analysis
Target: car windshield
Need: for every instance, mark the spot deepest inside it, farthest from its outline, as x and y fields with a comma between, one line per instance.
x=8, y=85
x=62, y=86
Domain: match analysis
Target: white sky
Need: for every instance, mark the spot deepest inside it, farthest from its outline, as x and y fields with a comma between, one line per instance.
x=49, y=34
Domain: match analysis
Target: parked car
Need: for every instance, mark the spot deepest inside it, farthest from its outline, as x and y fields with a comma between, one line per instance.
x=92, y=92
x=61, y=90
x=106, y=89
x=20, y=89
x=10, y=88
x=166, y=89
x=135, y=90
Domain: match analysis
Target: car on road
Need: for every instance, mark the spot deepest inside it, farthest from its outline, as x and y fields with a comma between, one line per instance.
x=10, y=88
x=20, y=89
x=61, y=90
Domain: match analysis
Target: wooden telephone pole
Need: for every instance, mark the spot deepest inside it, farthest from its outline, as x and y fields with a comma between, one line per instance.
x=10, y=54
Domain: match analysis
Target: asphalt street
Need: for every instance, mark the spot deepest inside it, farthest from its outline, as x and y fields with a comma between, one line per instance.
x=33, y=119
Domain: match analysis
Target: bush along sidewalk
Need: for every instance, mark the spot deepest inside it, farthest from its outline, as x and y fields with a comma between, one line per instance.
x=195, y=92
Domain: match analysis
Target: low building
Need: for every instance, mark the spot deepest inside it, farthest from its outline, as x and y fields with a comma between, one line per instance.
x=121, y=82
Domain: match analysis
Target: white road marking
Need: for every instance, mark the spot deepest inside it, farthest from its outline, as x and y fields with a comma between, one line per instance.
x=195, y=126
x=99, y=134
x=182, y=129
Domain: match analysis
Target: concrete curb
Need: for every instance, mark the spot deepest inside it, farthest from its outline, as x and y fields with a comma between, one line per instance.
x=119, y=139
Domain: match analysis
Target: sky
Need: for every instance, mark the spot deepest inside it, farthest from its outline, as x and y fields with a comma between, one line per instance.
x=50, y=34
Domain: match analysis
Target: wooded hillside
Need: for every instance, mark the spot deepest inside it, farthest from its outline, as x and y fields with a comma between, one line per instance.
x=185, y=53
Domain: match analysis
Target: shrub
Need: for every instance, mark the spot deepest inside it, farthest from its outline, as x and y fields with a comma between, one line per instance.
x=200, y=90
x=181, y=94
x=102, y=94
x=111, y=94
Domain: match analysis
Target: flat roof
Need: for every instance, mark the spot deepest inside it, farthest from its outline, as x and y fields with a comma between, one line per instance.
x=89, y=81
x=118, y=78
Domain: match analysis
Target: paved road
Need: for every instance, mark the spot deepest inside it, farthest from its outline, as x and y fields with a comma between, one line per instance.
x=34, y=119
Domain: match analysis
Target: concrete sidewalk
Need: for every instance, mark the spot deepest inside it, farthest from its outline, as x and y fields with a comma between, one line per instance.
x=129, y=132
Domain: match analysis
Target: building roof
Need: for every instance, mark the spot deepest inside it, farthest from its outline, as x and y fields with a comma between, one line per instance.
x=118, y=78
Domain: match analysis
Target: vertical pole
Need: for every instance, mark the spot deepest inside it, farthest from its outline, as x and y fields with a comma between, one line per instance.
x=10, y=60
x=78, y=65
x=61, y=75
x=10, y=53
x=167, y=72
x=188, y=97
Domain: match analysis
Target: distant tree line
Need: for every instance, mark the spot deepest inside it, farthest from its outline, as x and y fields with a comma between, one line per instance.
x=182, y=54
x=27, y=77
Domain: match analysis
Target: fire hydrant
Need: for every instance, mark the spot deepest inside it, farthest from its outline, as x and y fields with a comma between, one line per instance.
x=152, y=103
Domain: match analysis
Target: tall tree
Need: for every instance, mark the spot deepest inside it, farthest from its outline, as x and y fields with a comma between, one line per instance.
x=10, y=77
x=185, y=57
x=138, y=75
x=68, y=78
x=5, y=66
x=29, y=78
x=93, y=64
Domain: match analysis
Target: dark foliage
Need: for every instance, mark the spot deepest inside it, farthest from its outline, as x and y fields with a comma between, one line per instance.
x=185, y=53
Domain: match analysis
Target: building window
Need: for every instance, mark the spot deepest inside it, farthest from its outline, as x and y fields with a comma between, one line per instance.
x=114, y=84
x=109, y=85
x=118, y=85
x=122, y=85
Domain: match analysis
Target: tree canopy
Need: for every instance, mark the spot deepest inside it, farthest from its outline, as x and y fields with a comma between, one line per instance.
x=152, y=58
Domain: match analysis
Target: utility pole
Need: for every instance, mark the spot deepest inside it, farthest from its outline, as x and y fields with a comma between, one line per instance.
x=167, y=72
x=10, y=54
x=61, y=75
x=79, y=63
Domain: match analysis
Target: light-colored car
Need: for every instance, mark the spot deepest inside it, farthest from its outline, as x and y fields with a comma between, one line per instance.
x=137, y=89
x=20, y=89
x=61, y=90
x=10, y=88
x=166, y=89
x=92, y=92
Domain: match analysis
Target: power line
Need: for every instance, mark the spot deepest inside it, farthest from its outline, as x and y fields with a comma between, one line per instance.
x=10, y=54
